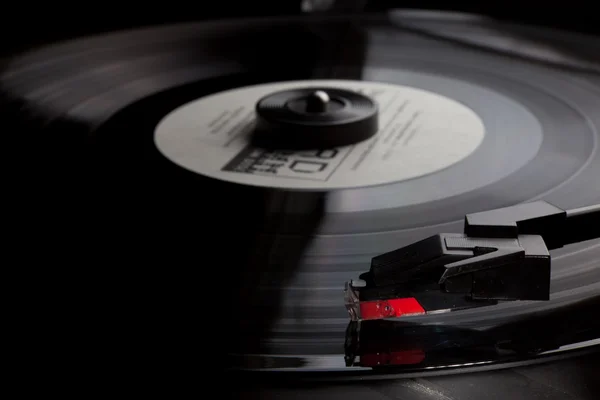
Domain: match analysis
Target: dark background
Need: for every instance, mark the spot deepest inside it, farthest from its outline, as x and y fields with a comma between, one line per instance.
x=23, y=25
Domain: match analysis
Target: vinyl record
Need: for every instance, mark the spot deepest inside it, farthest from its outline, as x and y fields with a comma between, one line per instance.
x=153, y=126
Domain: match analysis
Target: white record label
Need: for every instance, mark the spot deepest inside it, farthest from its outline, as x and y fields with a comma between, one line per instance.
x=420, y=132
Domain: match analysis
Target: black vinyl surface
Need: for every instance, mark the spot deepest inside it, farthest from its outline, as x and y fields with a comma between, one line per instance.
x=262, y=269
x=569, y=379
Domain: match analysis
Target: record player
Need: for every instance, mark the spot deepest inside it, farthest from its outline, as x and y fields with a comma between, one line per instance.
x=335, y=190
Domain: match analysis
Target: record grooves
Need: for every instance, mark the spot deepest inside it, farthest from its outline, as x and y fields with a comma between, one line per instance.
x=279, y=248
